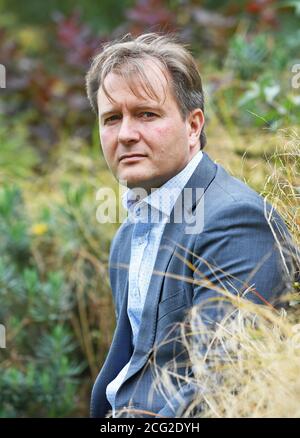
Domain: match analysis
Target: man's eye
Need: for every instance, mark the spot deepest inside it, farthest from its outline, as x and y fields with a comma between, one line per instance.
x=111, y=119
x=147, y=114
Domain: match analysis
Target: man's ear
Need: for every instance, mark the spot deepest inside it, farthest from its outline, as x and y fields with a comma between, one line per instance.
x=195, y=121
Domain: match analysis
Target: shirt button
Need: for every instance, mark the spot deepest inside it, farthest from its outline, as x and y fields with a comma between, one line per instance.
x=138, y=212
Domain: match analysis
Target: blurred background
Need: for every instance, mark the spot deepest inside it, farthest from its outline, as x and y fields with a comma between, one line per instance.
x=55, y=301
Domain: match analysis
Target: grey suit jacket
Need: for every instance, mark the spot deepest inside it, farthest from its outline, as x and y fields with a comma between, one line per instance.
x=237, y=249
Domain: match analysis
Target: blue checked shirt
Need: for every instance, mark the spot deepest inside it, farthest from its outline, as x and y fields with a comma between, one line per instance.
x=149, y=215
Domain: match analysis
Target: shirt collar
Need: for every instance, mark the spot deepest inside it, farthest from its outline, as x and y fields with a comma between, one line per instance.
x=163, y=198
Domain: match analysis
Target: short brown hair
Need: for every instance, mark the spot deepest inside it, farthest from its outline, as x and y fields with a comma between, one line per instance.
x=186, y=81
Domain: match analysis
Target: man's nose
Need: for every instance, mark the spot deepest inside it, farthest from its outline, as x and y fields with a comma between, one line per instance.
x=128, y=132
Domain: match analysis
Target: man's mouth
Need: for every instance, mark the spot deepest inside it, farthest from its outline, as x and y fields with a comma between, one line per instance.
x=131, y=158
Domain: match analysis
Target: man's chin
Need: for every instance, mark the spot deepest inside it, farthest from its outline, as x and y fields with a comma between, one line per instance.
x=135, y=183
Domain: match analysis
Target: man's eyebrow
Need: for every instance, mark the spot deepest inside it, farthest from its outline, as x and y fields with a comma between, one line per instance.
x=134, y=108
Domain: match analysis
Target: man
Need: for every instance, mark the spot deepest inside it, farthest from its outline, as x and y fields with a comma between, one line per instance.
x=148, y=95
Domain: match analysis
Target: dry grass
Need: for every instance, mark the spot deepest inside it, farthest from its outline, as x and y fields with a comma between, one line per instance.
x=248, y=368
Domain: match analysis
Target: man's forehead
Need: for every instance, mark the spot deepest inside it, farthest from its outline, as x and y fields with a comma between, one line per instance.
x=135, y=97
x=153, y=86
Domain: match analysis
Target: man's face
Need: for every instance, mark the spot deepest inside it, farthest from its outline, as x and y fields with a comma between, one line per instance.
x=145, y=141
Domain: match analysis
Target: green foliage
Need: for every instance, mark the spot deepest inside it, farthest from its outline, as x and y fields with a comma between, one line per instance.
x=259, y=66
x=43, y=379
x=247, y=58
x=269, y=103
x=17, y=157
x=50, y=338
x=13, y=226
x=104, y=14
x=45, y=387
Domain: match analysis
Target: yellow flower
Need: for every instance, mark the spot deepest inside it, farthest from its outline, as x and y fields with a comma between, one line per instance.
x=39, y=229
x=31, y=38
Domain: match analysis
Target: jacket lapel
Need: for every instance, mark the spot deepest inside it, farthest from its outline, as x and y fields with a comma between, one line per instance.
x=202, y=178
